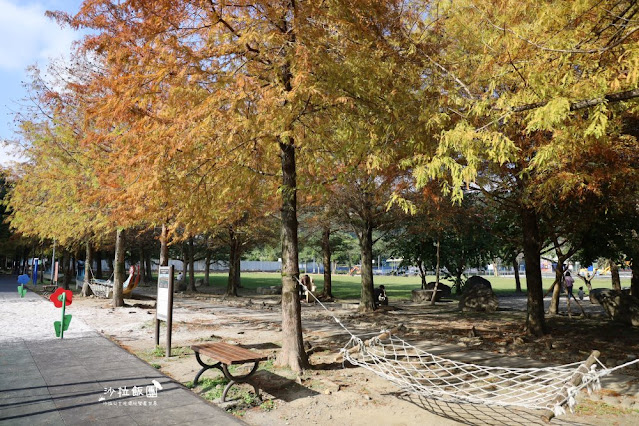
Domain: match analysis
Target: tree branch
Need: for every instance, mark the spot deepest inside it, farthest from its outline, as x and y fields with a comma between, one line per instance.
x=453, y=76
x=585, y=103
x=611, y=44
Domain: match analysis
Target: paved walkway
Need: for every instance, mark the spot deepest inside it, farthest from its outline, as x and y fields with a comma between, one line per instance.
x=83, y=378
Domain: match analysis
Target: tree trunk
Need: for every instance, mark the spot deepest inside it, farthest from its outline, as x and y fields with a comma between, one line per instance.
x=98, y=264
x=614, y=273
x=164, y=246
x=142, y=270
x=88, y=260
x=185, y=270
x=207, y=267
x=326, y=261
x=66, y=268
x=191, y=284
x=367, y=300
x=234, y=264
x=434, y=295
x=110, y=263
x=587, y=281
x=458, y=277
x=148, y=269
x=422, y=273
x=25, y=260
x=74, y=267
x=41, y=267
x=292, y=353
x=535, y=322
x=517, y=279
x=231, y=285
x=634, y=280
x=556, y=292
x=119, y=272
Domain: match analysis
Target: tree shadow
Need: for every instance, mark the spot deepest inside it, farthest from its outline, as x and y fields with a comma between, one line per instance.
x=263, y=346
x=336, y=365
x=478, y=414
x=282, y=388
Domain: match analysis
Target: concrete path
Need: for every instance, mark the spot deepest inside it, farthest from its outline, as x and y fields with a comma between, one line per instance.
x=83, y=378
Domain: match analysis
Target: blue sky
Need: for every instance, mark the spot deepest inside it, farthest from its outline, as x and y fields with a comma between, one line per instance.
x=27, y=38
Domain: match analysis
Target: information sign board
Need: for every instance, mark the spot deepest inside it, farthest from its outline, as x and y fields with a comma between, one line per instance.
x=164, y=279
x=164, y=305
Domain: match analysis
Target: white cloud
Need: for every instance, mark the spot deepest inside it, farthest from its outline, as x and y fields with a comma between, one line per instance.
x=29, y=37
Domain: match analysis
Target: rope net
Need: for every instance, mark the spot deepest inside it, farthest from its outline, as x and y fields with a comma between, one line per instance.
x=419, y=372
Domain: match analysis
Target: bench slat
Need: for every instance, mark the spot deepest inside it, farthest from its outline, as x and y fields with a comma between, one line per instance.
x=228, y=354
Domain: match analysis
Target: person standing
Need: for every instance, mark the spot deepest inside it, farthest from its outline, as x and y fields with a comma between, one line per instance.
x=305, y=287
x=570, y=281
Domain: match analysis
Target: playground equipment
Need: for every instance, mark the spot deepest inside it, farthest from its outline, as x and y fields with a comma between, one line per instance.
x=104, y=288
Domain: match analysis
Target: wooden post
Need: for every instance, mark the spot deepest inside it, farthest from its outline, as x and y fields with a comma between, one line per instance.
x=575, y=380
x=157, y=329
x=583, y=312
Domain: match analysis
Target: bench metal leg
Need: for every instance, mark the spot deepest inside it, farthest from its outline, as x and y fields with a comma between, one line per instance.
x=232, y=379
x=233, y=382
x=204, y=368
x=239, y=379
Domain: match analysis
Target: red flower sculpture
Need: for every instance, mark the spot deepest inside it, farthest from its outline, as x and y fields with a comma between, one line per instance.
x=56, y=297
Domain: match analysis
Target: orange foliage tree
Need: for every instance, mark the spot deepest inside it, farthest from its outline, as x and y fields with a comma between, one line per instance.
x=193, y=89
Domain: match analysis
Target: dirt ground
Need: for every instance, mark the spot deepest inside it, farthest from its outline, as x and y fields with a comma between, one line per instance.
x=329, y=393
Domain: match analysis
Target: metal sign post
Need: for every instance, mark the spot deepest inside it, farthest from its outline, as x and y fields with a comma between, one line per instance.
x=164, y=305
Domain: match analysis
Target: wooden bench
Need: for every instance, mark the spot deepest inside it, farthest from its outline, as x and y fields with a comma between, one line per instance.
x=227, y=354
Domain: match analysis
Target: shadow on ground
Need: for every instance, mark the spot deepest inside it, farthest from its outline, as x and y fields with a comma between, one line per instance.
x=284, y=389
x=263, y=346
x=478, y=414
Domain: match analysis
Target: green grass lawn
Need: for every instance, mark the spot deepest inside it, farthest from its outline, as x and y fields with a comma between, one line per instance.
x=349, y=287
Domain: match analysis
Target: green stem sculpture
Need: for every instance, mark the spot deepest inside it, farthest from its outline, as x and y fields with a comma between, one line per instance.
x=63, y=298
x=63, y=325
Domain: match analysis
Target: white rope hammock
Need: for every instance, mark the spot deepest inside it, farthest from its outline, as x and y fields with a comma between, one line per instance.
x=419, y=372
x=422, y=373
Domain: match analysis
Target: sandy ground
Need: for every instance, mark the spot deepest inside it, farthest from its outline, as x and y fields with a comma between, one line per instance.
x=328, y=393
x=17, y=317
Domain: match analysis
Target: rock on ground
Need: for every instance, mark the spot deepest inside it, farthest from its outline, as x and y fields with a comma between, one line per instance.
x=619, y=306
x=478, y=296
x=424, y=295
